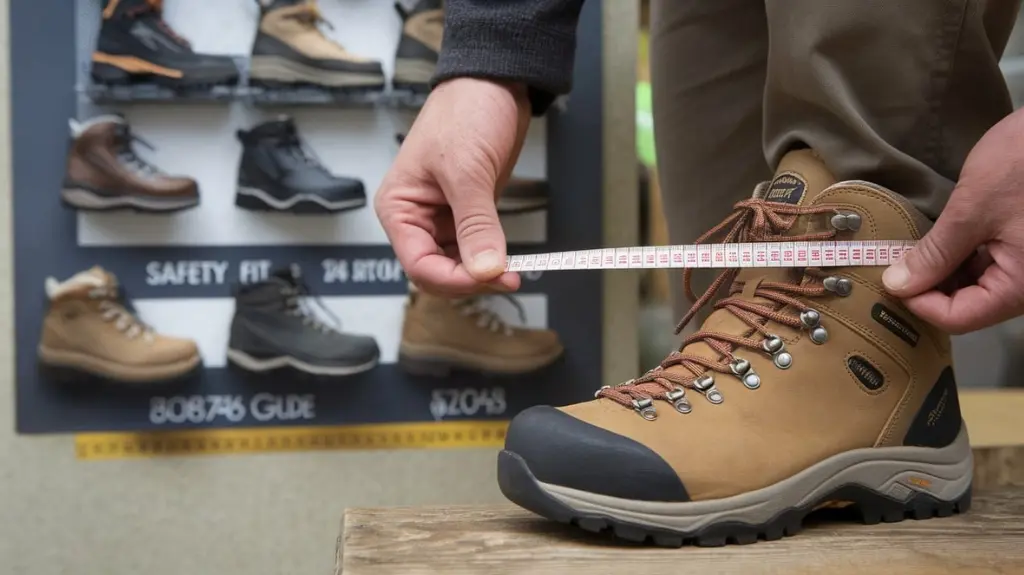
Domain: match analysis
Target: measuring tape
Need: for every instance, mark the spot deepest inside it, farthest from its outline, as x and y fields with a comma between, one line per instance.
x=744, y=255
x=425, y=435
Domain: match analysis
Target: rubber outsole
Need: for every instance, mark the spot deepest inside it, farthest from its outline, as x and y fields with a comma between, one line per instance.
x=256, y=200
x=109, y=75
x=519, y=485
x=267, y=365
x=89, y=201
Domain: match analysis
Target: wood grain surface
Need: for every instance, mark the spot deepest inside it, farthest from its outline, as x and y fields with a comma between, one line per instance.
x=502, y=540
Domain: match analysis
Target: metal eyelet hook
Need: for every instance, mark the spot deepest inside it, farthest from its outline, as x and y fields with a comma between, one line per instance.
x=706, y=385
x=838, y=285
x=846, y=221
x=645, y=407
x=742, y=369
x=679, y=401
x=811, y=320
x=777, y=349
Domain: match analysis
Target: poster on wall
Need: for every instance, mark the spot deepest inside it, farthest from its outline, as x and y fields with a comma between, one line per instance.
x=195, y=243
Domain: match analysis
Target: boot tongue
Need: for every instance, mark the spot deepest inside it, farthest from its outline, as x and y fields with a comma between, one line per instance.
x=800, y=177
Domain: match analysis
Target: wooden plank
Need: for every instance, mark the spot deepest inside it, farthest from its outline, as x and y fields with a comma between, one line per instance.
x=995, y=417
x=500, y=540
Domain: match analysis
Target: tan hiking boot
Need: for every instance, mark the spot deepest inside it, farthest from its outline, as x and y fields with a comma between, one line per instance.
x=804, y=388
x=419, y=46
x=88, y=330
x=441, y=335
x=290, y=48
x=103, y=172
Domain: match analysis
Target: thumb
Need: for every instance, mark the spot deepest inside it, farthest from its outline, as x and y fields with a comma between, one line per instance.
x=934, y=259
x=478, y=232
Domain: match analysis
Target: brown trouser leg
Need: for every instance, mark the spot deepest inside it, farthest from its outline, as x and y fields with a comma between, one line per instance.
x=896, y=92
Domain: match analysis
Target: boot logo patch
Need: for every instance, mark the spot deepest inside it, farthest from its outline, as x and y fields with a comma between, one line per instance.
x=868, y=375
x=894, y=323
x=787, y=188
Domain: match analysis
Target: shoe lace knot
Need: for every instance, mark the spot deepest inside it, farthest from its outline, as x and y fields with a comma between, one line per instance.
x=753, y=220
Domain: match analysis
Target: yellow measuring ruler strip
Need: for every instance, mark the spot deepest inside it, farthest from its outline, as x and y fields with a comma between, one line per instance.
x=420, y=435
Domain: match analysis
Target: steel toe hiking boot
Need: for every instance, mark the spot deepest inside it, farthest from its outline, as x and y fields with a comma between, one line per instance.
x=91, y=330
x=804, y=388
x=136, y=45
x=104, y=173
x=418, y=49
x=279, y=172
x=291, y=49
x=275, y=326
x=440, y=336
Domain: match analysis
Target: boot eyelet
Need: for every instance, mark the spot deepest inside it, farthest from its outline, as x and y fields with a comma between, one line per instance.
x=843, y=221
x=819, y=335
x=751, y=380
x=645, y=407
x=678, y=398
x=783, y=360
x=838, y=285
x=742, y=369
x=706, y=385
x=810, y=318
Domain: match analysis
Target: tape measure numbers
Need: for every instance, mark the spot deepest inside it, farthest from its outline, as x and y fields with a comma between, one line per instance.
x=742, y=255
x=425, y=435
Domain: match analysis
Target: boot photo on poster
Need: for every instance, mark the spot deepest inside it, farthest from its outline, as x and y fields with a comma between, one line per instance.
x=292, y=50
x=136, y=46
x=419, y=45
x=90, y=332
x=275, y=326
x=280, y=172
x=103, y=172
x=441, y=336
x=520, y=195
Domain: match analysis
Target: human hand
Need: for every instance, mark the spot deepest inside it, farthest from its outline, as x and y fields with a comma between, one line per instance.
x=437, y=202
x=967, y=273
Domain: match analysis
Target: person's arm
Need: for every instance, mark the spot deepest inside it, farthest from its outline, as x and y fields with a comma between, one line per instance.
x=532, y=42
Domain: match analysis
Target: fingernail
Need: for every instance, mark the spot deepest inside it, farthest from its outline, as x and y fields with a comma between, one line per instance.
x=487, y=261
x=896, y=276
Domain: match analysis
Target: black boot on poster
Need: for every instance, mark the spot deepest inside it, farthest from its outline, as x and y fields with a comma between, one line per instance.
x=136, y=45
x=279, y=172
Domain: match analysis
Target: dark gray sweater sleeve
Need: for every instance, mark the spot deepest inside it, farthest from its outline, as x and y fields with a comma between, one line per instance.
x=528, y=41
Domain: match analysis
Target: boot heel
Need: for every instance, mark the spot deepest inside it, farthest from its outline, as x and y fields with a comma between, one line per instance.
x=107, y=74
x=250, y=202
x=879, y=509
x=423, y=367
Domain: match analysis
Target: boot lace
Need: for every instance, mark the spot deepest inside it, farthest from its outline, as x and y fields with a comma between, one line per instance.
x=127, y=154
x=299, y=149
x=302, y=302
x=116, y=308
x=155, y=9
x=310, y=15
x=486, y=317
x=754, y=220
